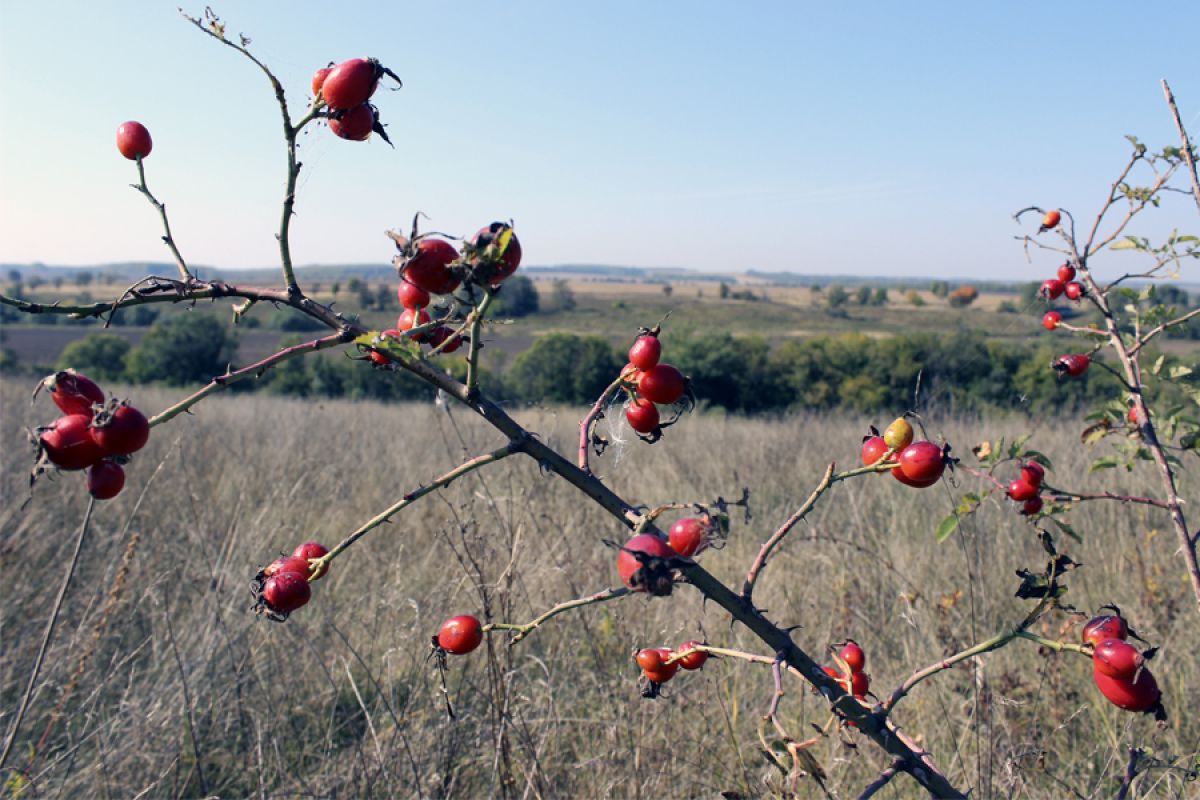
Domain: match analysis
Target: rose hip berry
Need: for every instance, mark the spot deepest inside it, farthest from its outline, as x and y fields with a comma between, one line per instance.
x=898, y=435
x=68, y=443
x=693, y=660
x=133, y=140
x=411, y=295
x=1051, y=319
x=351, y=83
x=642, y=415
x=354, y=124
x=1074, y=290
x=1117, y=658
x=921, y=465
x=645, y=352
x=1033, y=473
x=429, y=266
x=854, y=656
x=1138, y=695
x=662, y=383
x=654, y=578
x=1022, y=490
x=688, y=536
x=1031, y=506
x=873, y=449
x=1066, y=273
x=1073, y=364
x=105, y=480
x=318, y=79
x=460, y=635
x=1052, y=289
x=1104, y=626
x=1051, y=220
x=489, y=264
x=292, y=563
x=123, y=431
x=284, y=592
x=74, y=393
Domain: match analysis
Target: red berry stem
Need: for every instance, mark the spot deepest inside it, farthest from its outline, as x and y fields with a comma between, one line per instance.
x=1064, y=495
x=526, y=628
x=168, y=239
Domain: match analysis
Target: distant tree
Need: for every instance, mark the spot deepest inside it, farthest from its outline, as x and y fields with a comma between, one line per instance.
x=83, y=278
x=564, y=298
x=563, y=368
x=386, y=298
x=34, y=282
x=836, y=296
x=334, y=288
x=913, y=297
x=14, y=276
x=862, y=295
x=666, y=289
x=939, y=288
x=1030, y=301
x=879, y=297
x=181, y=349
x=58, y=281
x=723, y=291
x=100, y=356
x=1171, y=296
x=519, y=297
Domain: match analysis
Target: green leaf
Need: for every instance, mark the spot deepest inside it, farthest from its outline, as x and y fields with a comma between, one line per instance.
x=1128, y=243
x=1179, y=371
x=1039, y=457
x=946, y=527
x=1158, y=365
x=403, y=349
x=1107, y=462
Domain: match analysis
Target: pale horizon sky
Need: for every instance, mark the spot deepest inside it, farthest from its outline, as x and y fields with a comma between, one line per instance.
x=874, y=139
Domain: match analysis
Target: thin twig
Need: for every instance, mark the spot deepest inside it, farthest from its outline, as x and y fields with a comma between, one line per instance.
x=48, y=632
x=524, y=629
x=168, y=239
x=883, y=780
x=1063, y=494
x=1187, y=143
x=187, y=701
x=585, y=425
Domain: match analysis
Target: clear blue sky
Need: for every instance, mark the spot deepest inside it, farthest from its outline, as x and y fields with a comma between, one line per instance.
x=865, y=138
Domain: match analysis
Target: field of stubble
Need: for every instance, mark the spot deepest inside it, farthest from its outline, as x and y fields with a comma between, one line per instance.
x=187, y=694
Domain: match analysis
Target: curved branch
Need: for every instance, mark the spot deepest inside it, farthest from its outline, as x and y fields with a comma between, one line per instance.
x=524, y=629
x=168, y=239
x=1187, y=143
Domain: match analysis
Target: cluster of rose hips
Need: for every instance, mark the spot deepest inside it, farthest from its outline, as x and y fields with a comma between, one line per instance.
x=1026, y=489
x=644, y=561
x=857, y=683
x=429, y=266
x=657, y=664
x=650, y=384
x=919, y=464
x=346, y=88
x=1118, y=668
x=458, y=635
x=281, y=587
x=1072, y=364
x=92, y=434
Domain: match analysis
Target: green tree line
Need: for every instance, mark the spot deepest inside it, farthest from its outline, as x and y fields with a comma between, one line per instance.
x=962, y=371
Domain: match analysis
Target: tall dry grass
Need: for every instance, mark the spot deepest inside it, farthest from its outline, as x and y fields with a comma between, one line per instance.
x=189, y=695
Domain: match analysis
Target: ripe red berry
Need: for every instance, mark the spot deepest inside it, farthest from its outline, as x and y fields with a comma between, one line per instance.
x=410, y=319
x=310, y=550
x=1051, y=220
x=1073, y=364
x=1021, y=490
x=68, y=443
x=688, y=536
x=1139, y=695
x=1051, y=319
x=693, y=660
x=74, y=393
x=411, y=295
x=921, y=465
x=428, y=267
x=1117, y=658
x=318, y=79
x=1031, y=506
x=1033, y=473
x=460, y=635
x=133, y=140
x=1073, y=290
x=1134, y=416
x=126, y=430
x=642, y=415
x=665, y=672
x=1052, y=289
x=637, y=577
x=350, y=83
x=1104, y=626
x=1066, y=273
x=645, y=352
x=854, y=656
x=860, y=684
x=873, y=449
x=105, y=480
x=292, y=563
x=354, y=124
x=649, y=659
x=662, y=383
x=630, y=374
x=284, y=592
x=489, y=264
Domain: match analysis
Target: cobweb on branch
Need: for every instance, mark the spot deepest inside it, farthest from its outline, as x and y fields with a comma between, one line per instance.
x=616, y=429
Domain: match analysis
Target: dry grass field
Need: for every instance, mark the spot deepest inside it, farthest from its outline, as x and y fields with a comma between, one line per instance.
x=187, y=694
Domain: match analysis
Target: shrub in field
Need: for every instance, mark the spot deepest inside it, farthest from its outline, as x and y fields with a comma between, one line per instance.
x=459, y=285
